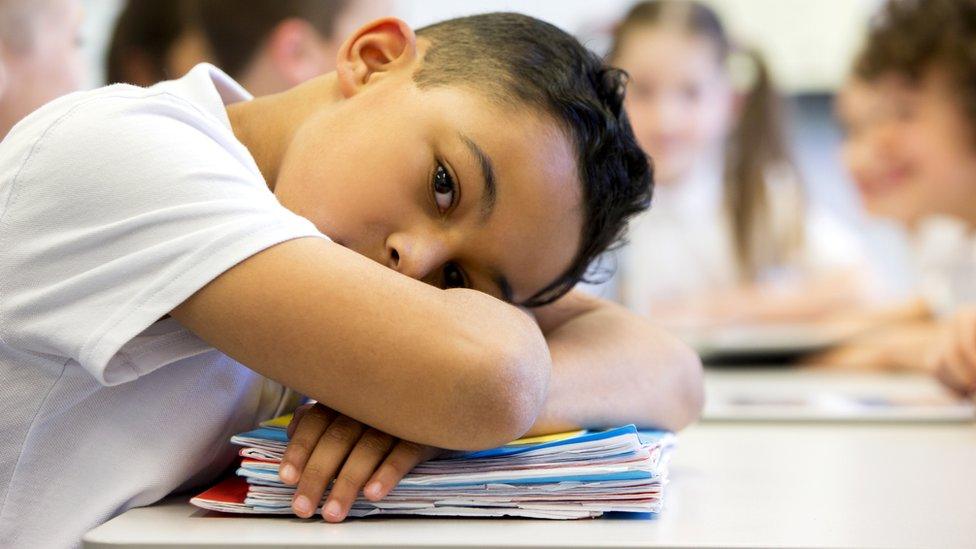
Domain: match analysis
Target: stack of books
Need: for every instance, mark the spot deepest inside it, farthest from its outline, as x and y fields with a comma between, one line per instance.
x=574, y=475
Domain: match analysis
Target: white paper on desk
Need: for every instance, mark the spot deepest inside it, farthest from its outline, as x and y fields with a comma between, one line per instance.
x=564, y=514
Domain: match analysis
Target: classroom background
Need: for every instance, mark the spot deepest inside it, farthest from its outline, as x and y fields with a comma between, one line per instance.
x=819, y=429
x=809, y=46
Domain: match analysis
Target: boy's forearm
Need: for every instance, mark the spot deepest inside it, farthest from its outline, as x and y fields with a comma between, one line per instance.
x=487, y=394
x=456, y=369
x=611, y=367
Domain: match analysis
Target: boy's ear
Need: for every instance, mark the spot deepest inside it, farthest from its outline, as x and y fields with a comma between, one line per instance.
x=383, y=46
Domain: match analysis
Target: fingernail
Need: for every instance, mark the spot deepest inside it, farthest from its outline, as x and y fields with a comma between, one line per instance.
x=333, y=510
x=287, y=472
x=373, y=490
x=302, y=506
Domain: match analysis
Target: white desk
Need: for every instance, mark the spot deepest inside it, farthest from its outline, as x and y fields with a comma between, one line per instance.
x=733, y=485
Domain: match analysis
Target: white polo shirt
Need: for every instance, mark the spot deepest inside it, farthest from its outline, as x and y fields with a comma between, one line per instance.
x=115, y=206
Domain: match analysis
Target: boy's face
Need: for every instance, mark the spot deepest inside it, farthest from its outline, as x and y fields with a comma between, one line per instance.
x=910, y=148
x=398, y=174
x=48, y=63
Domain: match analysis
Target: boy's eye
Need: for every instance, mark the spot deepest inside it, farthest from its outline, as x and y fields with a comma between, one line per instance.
x=454, y=276
x=445, y=190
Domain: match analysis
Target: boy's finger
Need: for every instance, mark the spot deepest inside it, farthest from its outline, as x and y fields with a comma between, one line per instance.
x=329, y=454
x=950, y=371
x=955, y=365
x=315, y=420
x=402, y=459
x=296, y=418
x=368, y=454
x=964, y=335
x=964, y=369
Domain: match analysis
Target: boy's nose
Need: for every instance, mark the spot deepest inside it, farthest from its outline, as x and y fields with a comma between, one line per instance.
x=416, y=256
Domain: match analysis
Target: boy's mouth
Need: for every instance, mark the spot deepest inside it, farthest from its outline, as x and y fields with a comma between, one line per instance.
x=885, y=182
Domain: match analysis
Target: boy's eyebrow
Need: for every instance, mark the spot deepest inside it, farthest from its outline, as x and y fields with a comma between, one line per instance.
x=488, y=175
x=487, y=205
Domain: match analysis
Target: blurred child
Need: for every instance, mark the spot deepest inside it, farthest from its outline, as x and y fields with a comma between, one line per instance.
x=910, y=143
x=904, y=330
x=269, y=47
x=274, y=45
x=730, y=236
x=152, y=42
x=40, y=56
x=397, y=239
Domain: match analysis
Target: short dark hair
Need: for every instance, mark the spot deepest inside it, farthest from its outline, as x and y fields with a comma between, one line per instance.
x=909, y=38
x=523, y=61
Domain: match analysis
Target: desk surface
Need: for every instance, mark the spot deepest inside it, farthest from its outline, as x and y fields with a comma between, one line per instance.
x=733, y=485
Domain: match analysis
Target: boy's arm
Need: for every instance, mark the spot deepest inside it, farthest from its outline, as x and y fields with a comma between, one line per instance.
x=454, y=369
x=954, y=359
x=611, y=367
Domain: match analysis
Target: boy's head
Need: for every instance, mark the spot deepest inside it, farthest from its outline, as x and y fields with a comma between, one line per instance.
x=40, y=57
x=273, y=45
x=152, y=42
x=489, y=151
x=915, y=82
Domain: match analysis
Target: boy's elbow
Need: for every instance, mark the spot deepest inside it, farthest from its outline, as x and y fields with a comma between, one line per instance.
x=520, y=389
x=690, y=388
x=508, y=389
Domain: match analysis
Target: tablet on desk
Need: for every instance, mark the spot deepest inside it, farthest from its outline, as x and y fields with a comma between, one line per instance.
x=765, y=343
x=811, y=395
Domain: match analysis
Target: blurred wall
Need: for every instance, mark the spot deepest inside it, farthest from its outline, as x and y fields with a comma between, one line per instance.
x=99, y=20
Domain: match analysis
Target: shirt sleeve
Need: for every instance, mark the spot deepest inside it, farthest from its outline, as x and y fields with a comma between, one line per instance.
x=118, y=212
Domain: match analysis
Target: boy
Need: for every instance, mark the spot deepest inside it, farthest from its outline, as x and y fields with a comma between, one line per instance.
x=269, y=47
x=146, y=261
x=151, y=42
x=910, y=116
x=277, y=44
x=40, y=57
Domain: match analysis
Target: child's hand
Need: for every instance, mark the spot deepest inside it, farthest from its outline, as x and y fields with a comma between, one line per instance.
x=326, y=445
x=955, y=363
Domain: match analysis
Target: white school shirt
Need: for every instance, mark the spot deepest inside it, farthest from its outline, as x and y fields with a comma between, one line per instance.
x=945, y=261
x=116, y=205
x=682, y=247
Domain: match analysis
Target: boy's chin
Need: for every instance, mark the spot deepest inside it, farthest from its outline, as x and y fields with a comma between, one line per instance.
x=896, y=209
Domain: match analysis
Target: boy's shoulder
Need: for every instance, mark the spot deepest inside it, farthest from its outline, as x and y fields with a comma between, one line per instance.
x=130, y=112
x=124, y=130
x=124, y=144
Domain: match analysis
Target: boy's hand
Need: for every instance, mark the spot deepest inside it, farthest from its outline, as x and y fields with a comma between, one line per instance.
x=326, y=445
x=955, y=363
